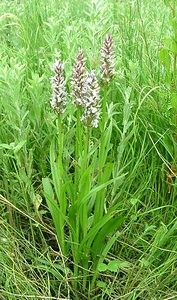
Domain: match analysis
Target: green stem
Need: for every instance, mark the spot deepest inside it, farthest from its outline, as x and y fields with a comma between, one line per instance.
x=174, y=72
x=78, y=151
x=60, y=144
x=99, y=202
x=103, y=123
x=84, y=212
x=84, y=168
x=62, y=199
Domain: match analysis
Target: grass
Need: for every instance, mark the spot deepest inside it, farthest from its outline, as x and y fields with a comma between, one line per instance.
x=138, y=259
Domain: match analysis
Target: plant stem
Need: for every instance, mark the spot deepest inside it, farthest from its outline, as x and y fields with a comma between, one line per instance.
x=84, y=212
x=174, y=71
x=62, y=200
x=99, y=202
x=78, y=151
x=84, y=168
x=175, y=55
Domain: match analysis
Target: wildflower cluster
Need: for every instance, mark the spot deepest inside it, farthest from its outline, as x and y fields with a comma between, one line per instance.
x=85, y=90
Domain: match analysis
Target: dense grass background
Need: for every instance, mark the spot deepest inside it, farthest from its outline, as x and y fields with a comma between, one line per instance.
x=33, y=34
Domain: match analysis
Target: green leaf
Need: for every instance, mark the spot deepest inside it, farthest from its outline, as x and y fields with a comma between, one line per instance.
x=165, y=58
x=102, y=267
x=124, y=264
x=167, y=42
x=173, y=22
x=88, y=240
x=99, y=188
x=104, y=254
x=54, y=169
x=144, y=262
x=166, y=2
x=6, y=146
x=107, y=172
x=174, y=101
x=107, y=146
x=42, y=212
x=37, y=202
x=109, y=291
x=133, y=217
x=133, y=201
x=19, y=146
x=101, y=284
x=167, y=143
x=107, y=229
x=53, y=205
x=69, y=185
x=47, y=187
x=57, y=216
x=174, y=47
x=13, y=147
x=84, y=183
x=113, y=265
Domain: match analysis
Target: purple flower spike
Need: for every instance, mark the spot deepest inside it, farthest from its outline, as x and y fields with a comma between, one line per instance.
x=58, y=100
x=107, y=59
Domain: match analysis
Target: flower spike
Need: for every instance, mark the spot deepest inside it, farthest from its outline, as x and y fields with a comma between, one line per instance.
x=91, y=101
x=79, y=75
x=107, y=59
x=58, y=100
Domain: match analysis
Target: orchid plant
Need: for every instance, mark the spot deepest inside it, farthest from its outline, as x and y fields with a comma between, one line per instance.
x=77, y=200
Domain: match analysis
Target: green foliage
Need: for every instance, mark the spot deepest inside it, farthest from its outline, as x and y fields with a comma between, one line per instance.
x=174, y=102
x=165, y=58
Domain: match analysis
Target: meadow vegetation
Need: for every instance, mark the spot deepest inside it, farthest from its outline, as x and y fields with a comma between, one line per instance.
x=87, y=210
